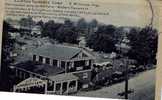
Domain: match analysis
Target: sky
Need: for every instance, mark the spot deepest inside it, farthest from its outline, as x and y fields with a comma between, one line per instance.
x=128, y=12
x=121, y=12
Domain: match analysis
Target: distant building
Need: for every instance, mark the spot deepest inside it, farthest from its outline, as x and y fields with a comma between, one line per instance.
x=36, y=30
x=82, y=42
x=66, y=68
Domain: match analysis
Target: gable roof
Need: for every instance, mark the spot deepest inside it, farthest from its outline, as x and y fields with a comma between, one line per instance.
x=42, y=69
x=57, y=51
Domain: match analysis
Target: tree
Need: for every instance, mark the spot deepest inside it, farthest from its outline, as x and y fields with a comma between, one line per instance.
x=40, y=23
x=92, y=27
x=27, y=22
x=68, y=23
x=7, y=42
x=93, y=23
x=50, y=28
x=144, y=45
x=26, y=25
x=119, y=34
x=6, y=60
x=67, y=34
x=103, y=39
x=82, y=26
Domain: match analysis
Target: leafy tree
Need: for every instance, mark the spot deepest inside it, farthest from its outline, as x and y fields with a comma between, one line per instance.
x=26, y=25
x=27, y=22
x=93, y=23
x=82, y=26
x=92, y=27
x=103, y=39
x=119, y=34
x=68, y=23
x=144, y=45
x=50, y=28
x=6, y=60
x=7, y=42
x=67, y=33
x=40, y=23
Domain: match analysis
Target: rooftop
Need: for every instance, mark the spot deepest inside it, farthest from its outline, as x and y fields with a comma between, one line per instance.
x=52, y=72
x=42, y=69
x=57, y=51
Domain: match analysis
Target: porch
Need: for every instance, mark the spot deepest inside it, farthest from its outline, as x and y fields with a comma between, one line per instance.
x=64, y=84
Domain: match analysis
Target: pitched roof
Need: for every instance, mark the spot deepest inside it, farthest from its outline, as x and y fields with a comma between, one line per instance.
x=57, y=51
x=42, y=69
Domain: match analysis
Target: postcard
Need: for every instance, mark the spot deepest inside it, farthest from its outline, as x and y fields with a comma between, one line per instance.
x=88, y=48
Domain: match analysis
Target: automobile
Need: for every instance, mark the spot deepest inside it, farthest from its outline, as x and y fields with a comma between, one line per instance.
x=135, y=69
x=117, y=77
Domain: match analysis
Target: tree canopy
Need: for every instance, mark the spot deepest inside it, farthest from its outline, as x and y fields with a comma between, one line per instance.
x=103, y=39
x=144, y=45
x=6, y=60
x=67, y=33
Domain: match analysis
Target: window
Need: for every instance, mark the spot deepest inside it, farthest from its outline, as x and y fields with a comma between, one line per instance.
x=34, y=57
x=54, y=62
x=79, y=68
x=87, y=63
x=40, y=59
x=84, y=55
x=68, y=64
x=63, y=64
x=47, y=60
x=79, y=63
x=72, y=84
x=85, y=86
x=80, y=55
x=58, y=86
x=85, y=75
x=90, y=62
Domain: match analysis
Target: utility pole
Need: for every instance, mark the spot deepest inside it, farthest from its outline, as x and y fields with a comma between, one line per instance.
x=124, y=48
x=126, y=78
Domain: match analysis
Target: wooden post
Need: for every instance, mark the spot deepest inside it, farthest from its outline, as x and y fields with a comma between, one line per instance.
x=61, y=88
x=37, y=58
x=54, y=87
x=65, y=67
x=76, y=87
x=14, y=88
x=58, y=63
x=68, y=86
x=45, y=91
x=44, y=60
x=51, y=62
x=72, y=65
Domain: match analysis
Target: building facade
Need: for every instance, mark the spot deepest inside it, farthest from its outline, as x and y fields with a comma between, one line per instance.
x=76, y=65
x=71, y=59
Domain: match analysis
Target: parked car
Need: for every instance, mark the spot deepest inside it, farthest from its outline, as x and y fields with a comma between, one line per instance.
x=117, y=77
